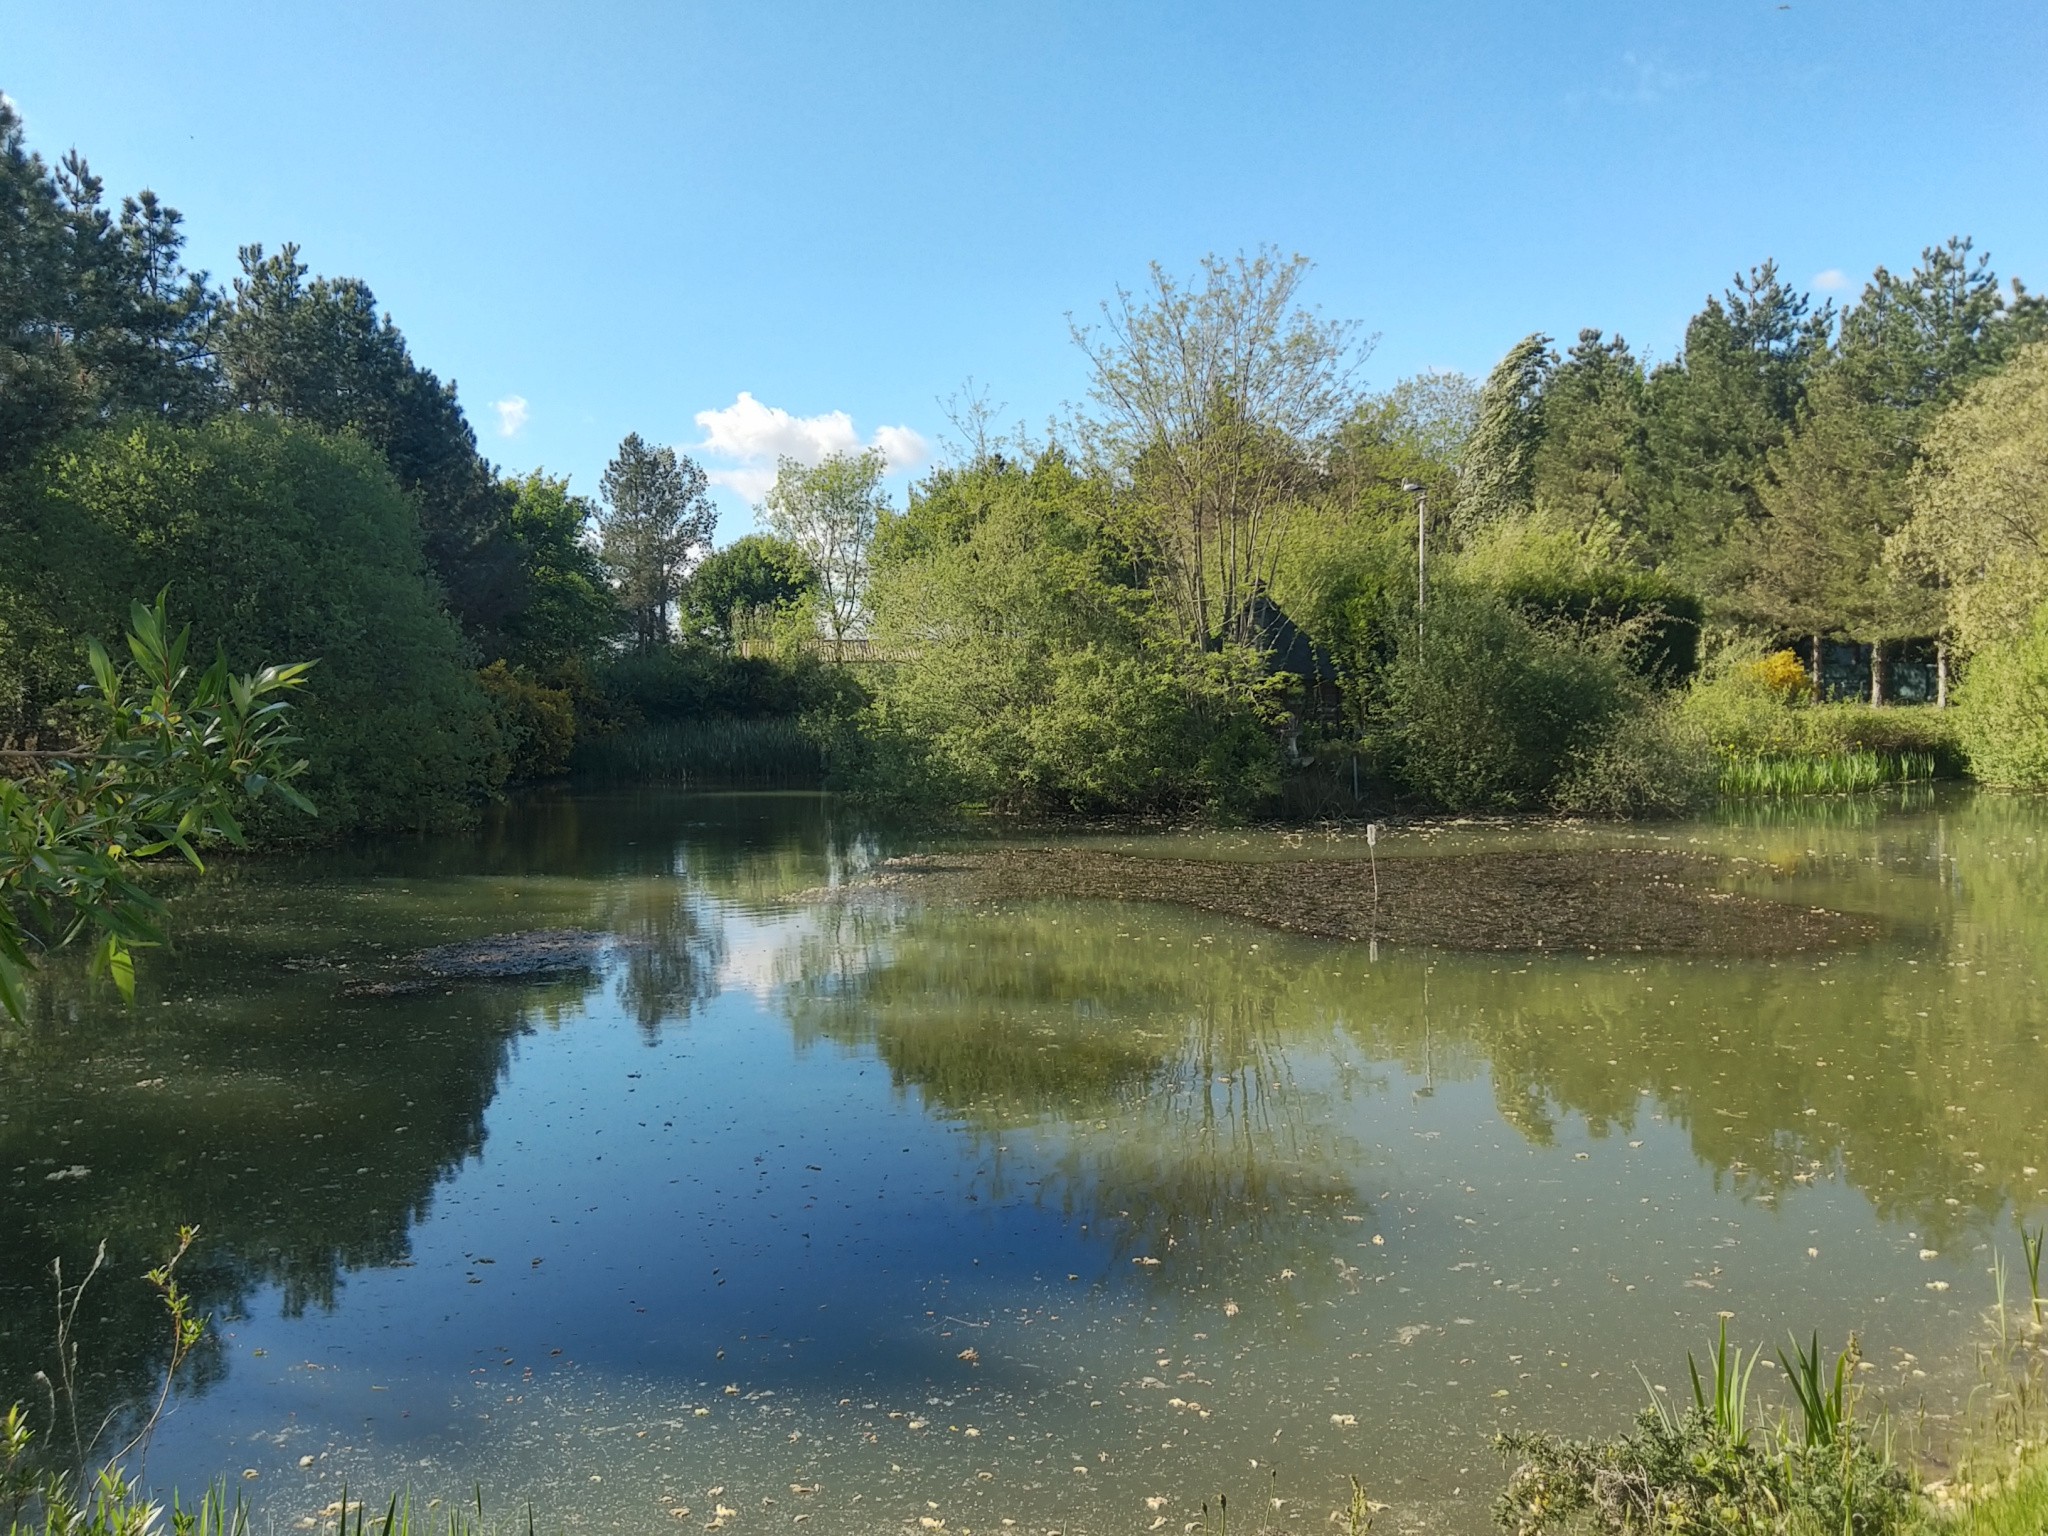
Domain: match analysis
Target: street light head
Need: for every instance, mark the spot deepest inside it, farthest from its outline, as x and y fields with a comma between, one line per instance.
x=1413, y=486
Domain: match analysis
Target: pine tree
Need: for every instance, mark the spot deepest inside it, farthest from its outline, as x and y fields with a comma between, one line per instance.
x=657, y=515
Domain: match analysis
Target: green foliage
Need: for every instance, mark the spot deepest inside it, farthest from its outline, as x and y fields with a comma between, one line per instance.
x=697, y=682
x=657, y=514
x=1499, y=475
x=1590, y=468
x=1702, y=1472
x=749, y=584
x=1979, y=524
x=1488, y=710
x=1822, y=773
x=773, y=752
x=97, y=315
x=1555, y=570
x=163, y=759
x=1717, y=411
x=1738, y=709
x=279, y=540
x=1215, y=399
x=565, y=610
x=2018, y=1506
x=829, y=511
x=319, y=352
x=1646, y=763
x=1037, y=677
x=2003, y=709
x=536, y=725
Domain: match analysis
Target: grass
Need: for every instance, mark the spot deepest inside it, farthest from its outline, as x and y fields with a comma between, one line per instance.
x=1776, y=776
x=773, y=753
x=2016, y=1507
x=117, y=1508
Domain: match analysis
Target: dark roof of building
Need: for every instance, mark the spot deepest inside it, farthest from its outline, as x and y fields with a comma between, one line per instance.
x=1284, y=646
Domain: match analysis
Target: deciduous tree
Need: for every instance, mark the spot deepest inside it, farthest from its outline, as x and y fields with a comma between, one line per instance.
x=1214, y=403
x=829, y=511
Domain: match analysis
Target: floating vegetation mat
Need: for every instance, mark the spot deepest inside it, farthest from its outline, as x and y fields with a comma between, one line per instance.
x=1598, y=900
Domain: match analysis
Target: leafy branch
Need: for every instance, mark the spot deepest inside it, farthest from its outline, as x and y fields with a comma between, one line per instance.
x=165, y=756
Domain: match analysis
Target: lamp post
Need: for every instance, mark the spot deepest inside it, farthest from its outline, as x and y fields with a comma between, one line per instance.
x=1420, y=492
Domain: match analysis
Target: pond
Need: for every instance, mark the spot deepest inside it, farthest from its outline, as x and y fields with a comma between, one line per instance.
x=825, y=1197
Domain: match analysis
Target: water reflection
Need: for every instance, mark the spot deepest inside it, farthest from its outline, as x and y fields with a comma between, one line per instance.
x=1309, y=1149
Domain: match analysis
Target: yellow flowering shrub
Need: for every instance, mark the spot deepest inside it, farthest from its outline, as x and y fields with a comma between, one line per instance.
x=1782, y=672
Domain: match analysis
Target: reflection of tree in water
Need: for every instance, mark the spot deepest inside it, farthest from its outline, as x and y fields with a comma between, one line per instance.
x=1910, y=1071
x=669, y=947
x=303, y=1136
x=1175, y=1127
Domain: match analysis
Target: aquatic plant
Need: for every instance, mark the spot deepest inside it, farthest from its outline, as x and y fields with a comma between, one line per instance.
x=1763, y=775
x=1824, y=1408
x=1729, y=1404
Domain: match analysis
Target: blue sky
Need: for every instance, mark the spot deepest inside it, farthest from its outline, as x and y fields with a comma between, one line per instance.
x=622, y=216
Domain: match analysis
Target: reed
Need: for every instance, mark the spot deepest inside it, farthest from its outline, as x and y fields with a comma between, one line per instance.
x=774, y=753
x=2030, y=1250
x=1769, y=776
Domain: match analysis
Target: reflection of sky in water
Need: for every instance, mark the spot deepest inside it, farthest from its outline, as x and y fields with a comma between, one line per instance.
x=1031, y=1212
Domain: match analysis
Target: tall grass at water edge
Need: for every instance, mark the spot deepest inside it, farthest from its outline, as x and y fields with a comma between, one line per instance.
x=1766, y=776
x=773, y=753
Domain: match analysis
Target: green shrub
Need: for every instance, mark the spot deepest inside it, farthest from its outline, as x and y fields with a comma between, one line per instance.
x=1554, y=572
x=536, y=724
x=1646, y=763
x=1035, y=675
x=277, y=540
x=2002, y=708
x=1488, y=710
x=1740, y=708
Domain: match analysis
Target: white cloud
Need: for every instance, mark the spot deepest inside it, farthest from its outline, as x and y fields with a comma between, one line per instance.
x=903, y=447
x=512, y=413
x=1831, y=281
x=754, y=436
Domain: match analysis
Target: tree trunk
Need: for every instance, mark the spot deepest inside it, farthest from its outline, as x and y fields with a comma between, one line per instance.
x=1816, y=666
x=1941, y=674
x=1877, y=675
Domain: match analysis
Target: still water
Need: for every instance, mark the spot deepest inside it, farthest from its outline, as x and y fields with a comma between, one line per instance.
x=851, y=1213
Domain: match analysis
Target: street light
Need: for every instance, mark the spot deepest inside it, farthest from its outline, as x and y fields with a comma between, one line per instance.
x=1420, y=492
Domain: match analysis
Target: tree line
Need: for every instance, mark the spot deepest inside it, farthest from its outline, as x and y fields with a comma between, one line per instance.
x=1233, y=570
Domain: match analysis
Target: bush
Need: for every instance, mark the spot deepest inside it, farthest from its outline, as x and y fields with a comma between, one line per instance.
x=2002, y=709
x=1553, y=572
x=1036, y=676
x=1488, y=710
x=277, y=540
x=536, y=725
x=1684, y=1475
x=1748, y=705
x=1646, y=763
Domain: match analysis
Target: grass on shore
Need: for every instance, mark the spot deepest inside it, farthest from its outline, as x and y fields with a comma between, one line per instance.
x=2018, y=1506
